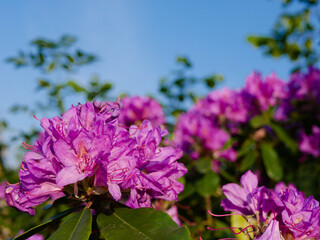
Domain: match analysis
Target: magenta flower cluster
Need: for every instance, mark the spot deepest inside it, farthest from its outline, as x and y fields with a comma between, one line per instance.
x=209, y=124
x=138, y=108
x=87, y=148
x=225, y=114
x=303, y=100
x=302, y=95
x=283, y=211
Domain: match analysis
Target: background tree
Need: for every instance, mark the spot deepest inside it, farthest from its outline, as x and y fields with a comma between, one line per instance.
x=295, y=34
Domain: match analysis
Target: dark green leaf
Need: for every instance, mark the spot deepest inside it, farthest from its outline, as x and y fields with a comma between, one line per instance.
x=203, y=165
x=75, y=86
x=41, y=43
x=271, y=162
x=67, y=40
x=212, y=80
x=70, y=59
x=65, y=66
x=293, y=51
x=43, y=83
x=78, y=227
x=211, y=83
x=184, y=61
x=141, y=223
x=51, y=66
x=187, y=191
x=228, y=144
x=284, y=137
x=247, y=147
x=248, y=160
x=41, y=58
x=308, y=44
x=207, y=186
x=79, y=53
x=257, y=121
x=42, y=226
x=105, y=87
x=180, y=82
x=180, y=97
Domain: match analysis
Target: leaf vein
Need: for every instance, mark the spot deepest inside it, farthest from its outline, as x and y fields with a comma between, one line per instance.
x=132, y=226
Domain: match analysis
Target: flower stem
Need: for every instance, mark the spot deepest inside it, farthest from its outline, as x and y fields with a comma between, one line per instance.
x=209, y=207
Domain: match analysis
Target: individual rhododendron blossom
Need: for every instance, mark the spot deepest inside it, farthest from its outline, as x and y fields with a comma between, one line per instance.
x=86, y=153
x=272, y=232
x=138, y=108
x=310, y=144
x=280, y=213
x=300, y=215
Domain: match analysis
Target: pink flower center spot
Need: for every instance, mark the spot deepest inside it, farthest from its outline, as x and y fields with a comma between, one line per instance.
x=84, y=162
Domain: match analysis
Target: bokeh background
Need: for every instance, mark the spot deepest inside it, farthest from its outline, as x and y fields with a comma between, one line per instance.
x=136, y=43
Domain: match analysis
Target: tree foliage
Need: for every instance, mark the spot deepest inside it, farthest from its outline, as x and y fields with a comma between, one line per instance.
x=295, y=34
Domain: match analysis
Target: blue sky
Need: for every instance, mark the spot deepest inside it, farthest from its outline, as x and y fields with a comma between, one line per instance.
x=137, y=41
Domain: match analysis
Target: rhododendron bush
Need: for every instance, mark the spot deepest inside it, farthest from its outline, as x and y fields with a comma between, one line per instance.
x=113, y=170
x=233, y=164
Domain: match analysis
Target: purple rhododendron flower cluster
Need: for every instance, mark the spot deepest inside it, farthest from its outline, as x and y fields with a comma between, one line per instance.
x=302, y=94
x=283, y=211
x=226, y=113
x=302, y=98
x=202, y=129
x=86, y=152
x=138, y=108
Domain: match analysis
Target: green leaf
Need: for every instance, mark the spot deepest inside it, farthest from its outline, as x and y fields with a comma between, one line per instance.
x=248, y=146
x=308, y=44
x=208, y=185
x=41, y=58
x=51, y=66
x=258, y=41
x=248, y=160
x=42, y=226
x=228, y=144
x=105, y=87
x=76, y=87
x=211, y=83
x=43, y=83
x=257, y=121
x=185, y=61
x=293, y=51
x=203, y=165
x=180, y=82
x=271, y=162
x=284, y=137
x=138, y=224
x=70, y=58
x=79, y=53
x=187, y=191
x=78, y=227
